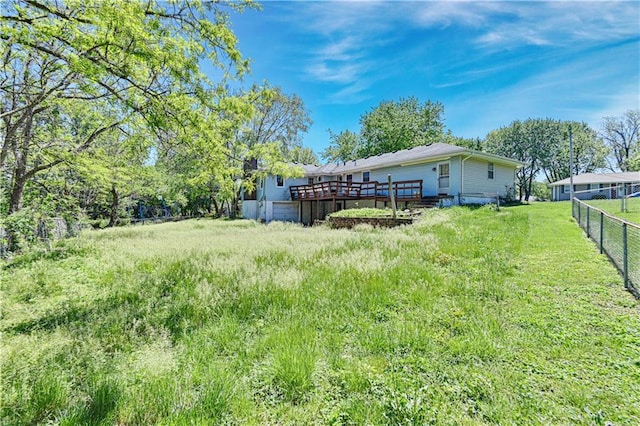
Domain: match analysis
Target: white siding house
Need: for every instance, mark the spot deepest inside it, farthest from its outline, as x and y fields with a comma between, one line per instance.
x=586, y=186
x=448, y=173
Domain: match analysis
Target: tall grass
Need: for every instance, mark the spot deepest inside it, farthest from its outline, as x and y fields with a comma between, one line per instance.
x=469, y=316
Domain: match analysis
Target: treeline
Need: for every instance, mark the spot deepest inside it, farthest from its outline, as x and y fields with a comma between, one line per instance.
x=105, y=112
x=541, y=144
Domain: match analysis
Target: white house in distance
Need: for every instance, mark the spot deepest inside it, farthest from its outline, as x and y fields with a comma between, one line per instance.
x=600, y=185
x=438, y=174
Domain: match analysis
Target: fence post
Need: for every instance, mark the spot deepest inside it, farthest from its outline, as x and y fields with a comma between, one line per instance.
x=588, y=220
x=625, y=256
x=601, y=232
x=579, y=214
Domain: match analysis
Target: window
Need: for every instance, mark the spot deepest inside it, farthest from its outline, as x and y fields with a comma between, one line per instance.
x=279, y=181
x=319, y=178
x=365, y=176
x=310, y=181
x=563, y=189
x=349, y=178
x=490, y=171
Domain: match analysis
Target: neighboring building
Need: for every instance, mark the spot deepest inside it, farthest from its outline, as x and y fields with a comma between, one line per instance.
x=599, y=185
x=438, y=173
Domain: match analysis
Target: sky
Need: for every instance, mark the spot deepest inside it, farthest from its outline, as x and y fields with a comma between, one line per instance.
x=489, y=63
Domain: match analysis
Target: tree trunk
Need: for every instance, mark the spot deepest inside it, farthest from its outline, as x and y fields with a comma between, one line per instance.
x=216, y=208
x=115, y=201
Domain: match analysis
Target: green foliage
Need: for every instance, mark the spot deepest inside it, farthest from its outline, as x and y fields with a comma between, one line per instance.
x=402, y=124
x=543, y=145
x=541, y=191
x=447, y=321
x=343, y=146
x=100, y=89
x=302, y=155
x=622, y=136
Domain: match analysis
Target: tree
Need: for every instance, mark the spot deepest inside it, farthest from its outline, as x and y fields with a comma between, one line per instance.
x=302, y=155
x=622, y=136
x=343, y=146
x=525, y=141
x=392, y=126
x=278, y=118
x=130, y=58
x=589, y=151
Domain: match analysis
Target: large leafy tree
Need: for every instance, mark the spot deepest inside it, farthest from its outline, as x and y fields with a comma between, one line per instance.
x=589, y=151
x=343, y=146
x=543, y=146
x=128, y=59
x=402, y=124
x=278, y=118
x=524, y=141
x=622, y=136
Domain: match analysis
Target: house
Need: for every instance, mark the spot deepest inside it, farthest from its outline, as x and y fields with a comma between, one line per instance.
x=439, y=174
x=599, y=185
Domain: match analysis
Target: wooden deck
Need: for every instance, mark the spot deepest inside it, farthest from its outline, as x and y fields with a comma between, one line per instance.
x=408, y=190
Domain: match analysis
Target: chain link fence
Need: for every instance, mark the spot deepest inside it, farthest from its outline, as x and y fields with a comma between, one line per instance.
x=617, y=238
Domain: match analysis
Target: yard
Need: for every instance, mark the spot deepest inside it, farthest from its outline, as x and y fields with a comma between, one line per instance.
x=471, y=316
x=614, y=207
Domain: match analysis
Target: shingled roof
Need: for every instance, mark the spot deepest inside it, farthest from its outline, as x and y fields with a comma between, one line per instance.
x=606, y=178
x=415, y=155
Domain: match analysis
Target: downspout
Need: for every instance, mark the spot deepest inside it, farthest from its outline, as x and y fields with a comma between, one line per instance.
x=462, y=178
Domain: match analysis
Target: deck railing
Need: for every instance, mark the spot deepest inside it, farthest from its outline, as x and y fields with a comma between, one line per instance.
x=403, y=190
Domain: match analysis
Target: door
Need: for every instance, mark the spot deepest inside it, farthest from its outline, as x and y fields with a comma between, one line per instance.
x=443, y=178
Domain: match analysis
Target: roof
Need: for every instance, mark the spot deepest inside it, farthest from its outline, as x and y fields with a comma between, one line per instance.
x=585, y=178
x=416, y=155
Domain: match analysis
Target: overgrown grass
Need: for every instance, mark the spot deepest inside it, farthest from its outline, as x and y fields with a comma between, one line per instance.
x=614, y=207
x=368, y=212
x=467, y=317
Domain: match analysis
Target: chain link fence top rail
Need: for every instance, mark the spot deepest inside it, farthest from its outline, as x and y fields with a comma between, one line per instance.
x=617, y=238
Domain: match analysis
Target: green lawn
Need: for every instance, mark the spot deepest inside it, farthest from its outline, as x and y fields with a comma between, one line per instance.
x=471, y=316
x=614, y=207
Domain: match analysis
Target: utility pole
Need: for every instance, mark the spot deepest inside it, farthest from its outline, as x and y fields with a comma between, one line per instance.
x=570, y=164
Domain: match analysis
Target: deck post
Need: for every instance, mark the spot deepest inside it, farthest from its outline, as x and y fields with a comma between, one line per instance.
x=392, y=196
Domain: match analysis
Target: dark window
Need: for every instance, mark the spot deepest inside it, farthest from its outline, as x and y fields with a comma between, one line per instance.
x=365, y=176
x=279, y=181
x=490, y=171
x=349, y=178
x=310, y=181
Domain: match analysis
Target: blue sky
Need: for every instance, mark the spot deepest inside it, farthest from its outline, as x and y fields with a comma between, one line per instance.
x=488, y=63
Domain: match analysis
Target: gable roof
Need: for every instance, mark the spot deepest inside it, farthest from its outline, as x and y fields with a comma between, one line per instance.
x=416, y=155
x=586, y=178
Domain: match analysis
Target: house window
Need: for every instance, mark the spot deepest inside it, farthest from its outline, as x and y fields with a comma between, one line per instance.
x=366, y=176
x=279, y=181
x=319, y=178
x=349, y=178
x=310, y=181
x=490, y=171
x=563, y=189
